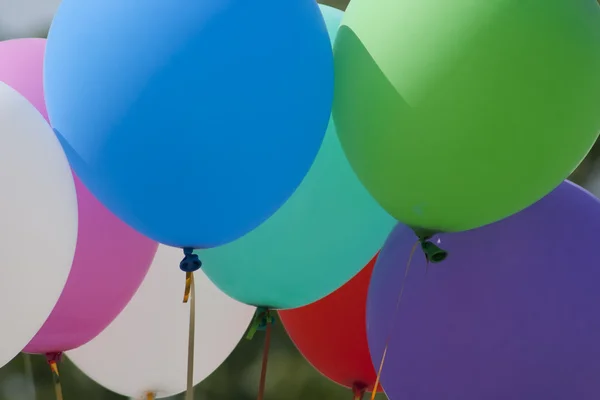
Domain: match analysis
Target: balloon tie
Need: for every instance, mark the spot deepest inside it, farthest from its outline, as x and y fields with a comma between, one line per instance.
x=359, y=389
x=433, y=253
x=150, y=396
x=389, y=337
x=190, y=263
x=263, y=321
x=53, y=359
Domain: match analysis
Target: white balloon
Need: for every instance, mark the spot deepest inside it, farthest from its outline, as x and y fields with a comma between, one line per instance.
x=145, y=348
x=38, y=221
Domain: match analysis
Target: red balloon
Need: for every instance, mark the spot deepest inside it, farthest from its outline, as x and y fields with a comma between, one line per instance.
x=332, y=333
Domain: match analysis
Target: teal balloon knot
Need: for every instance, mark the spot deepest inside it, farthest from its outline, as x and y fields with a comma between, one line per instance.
x=191, y=262
x=262, y=318
x=433, y=252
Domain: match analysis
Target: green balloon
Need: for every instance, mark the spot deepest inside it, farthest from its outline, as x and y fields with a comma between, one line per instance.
x=321, y=237
x=455, y=114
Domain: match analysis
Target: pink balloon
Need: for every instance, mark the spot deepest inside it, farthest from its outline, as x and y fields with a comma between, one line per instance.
x=111, y=259
x=21, y=67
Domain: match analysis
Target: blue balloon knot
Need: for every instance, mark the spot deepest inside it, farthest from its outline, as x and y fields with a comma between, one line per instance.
x=191, y=262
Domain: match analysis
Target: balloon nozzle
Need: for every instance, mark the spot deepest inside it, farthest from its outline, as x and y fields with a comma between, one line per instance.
x=358, y=390
x=53, y=359
x=262, y=318
x=432, y=251
x=191, y=262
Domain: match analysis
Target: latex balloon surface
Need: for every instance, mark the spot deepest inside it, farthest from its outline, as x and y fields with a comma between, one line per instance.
x=332, y=335
x=510, y=314
x=324, y=234
x=146, y=345
x=456, y=114
x=111, y=261
x=110, y=257
x=38, y=221
x=192, y=121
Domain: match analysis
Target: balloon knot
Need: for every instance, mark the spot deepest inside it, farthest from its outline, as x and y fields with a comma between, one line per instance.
x=54, y=357
x=191, y=262
x=433, y=252
x=359, y=389
x=262, y=318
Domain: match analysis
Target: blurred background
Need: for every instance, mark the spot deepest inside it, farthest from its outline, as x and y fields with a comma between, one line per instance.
x=290, y=377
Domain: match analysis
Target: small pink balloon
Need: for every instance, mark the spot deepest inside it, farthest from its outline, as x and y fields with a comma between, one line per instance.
x=111, y=259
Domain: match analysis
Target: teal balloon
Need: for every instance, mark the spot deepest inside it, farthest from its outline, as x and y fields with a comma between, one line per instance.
x=322, y=236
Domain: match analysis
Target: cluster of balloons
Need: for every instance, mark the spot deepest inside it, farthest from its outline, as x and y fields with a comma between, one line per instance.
x=511, y=313
x=216, y=127
x=475, y=125
x=77, y=266
x=148, y=167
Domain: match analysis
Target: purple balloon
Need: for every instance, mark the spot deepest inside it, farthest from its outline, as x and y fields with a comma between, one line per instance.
x=511, y=314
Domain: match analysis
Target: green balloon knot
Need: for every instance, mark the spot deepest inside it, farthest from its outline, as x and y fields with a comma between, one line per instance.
x=262, y=317
x=432, y=251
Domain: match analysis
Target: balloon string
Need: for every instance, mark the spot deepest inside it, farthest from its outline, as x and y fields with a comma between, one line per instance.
x=56, y=379
x=389, y=337
x=359, y=396
x=265, y=360
x=190, y=294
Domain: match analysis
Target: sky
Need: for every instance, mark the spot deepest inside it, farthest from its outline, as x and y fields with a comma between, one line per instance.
x=25, y=18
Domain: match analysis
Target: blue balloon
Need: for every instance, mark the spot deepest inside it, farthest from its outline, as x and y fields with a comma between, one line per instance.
x=322, y=236
x=193, y=121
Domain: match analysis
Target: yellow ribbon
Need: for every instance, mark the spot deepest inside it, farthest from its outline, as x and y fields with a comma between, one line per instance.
x=56, y=379
x=189, y=278
x=190, y=294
